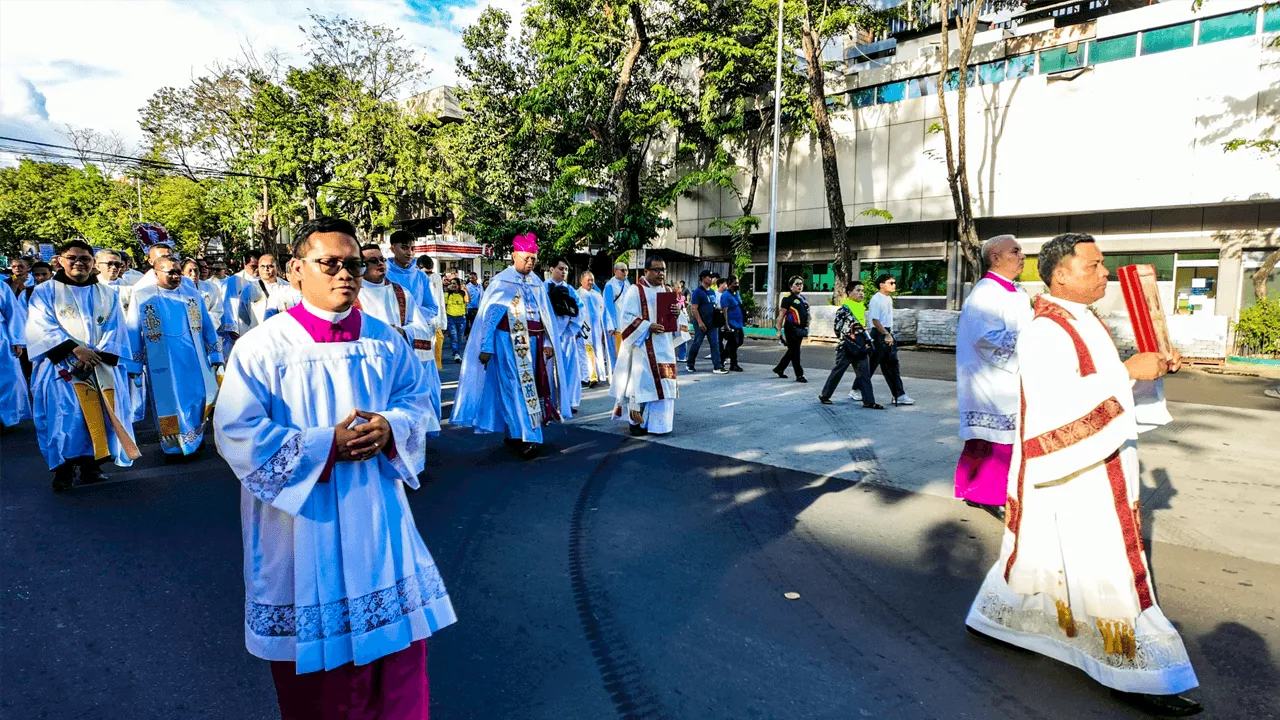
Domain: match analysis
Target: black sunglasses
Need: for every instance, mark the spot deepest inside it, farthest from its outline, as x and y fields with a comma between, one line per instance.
x=331, y=266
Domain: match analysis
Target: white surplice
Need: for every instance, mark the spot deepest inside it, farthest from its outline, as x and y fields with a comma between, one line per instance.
x=416, y=283
x=62, y=316
x=987, y=360
x=336, y=571
x=644, y=378
x=395, y=306
x=260, y=300
x=1072, y=581
x=15, y=406
x=595, y=348
x=176, y=342
x=211, y=292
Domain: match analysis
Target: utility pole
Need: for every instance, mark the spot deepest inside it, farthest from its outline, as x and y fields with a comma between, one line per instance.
x=773, y=192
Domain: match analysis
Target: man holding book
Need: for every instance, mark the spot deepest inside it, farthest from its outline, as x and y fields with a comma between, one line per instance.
x=644, y=378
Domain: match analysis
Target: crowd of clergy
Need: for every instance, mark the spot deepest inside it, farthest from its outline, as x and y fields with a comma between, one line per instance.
x=320, y=385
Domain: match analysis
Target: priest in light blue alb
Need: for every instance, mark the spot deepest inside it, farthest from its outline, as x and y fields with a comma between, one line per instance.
x=513, y=377
x=566, y=322
x=177, y=344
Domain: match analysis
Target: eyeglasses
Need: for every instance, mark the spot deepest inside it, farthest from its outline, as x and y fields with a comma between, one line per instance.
x=331, y=266
x=375, y=261
x=170, y=273
x=78, y=259
x=112, y=263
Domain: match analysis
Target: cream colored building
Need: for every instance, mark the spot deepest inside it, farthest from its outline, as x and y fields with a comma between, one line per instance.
x=1114, y=126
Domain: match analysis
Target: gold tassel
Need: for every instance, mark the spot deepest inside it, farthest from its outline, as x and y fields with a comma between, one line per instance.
x=1118, y=638
x=1066, y=620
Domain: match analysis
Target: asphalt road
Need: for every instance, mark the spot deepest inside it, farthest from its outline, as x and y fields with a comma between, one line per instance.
x=1206, y=386
x=609, y=578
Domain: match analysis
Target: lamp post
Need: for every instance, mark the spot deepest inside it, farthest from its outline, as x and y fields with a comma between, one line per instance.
x=773, y=192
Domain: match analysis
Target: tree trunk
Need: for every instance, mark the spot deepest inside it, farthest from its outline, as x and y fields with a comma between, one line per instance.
x=830, y=165
x=1262, y=274
x=957, y=170
x=627, y=182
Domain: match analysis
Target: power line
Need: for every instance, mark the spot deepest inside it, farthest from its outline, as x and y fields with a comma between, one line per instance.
x=153, y=164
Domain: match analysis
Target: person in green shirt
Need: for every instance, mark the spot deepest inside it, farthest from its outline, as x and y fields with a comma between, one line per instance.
x=853, y=301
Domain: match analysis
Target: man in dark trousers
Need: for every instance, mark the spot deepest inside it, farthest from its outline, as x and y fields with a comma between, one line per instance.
x=702, y=309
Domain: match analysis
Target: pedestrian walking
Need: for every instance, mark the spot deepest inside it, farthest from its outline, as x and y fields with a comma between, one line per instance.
x=455, y=308
x=987, y=387
x=1072, y=581
x=853, y=349
x=793, y=328
x=682, y=300
x=703, y=310
x=341, y=592
x=734, y=323
x=474, y=293
x=885, y=357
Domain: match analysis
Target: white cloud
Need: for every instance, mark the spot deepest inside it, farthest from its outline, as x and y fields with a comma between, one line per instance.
x=108, y=56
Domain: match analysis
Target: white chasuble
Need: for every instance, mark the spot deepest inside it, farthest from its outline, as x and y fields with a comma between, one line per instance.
x=1072, y=581
x=15, y=405
x=595, y=348
x=78, y=413
x=260, y=300
x=987, y=360
x=644, y=377
x=335, y=570
x=176, y=342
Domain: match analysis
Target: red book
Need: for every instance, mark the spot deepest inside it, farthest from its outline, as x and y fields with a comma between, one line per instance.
x=1142, y=298
x=665, y=317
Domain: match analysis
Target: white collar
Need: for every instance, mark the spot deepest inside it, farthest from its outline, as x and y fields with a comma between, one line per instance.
x=370, y=283
x=332, y=317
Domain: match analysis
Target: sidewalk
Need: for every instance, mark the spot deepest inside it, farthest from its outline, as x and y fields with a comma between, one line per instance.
x=1210, y=478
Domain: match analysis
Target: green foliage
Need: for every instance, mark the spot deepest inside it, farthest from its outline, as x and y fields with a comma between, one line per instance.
x=878, y=212
x=50, y=203
x=1258, y=330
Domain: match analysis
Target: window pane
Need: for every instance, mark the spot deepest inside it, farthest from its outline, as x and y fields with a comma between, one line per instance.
x=1271, y=18
x=1117, y=48
x=1163, y=263
x=922, y=86
x=1198, y=256
x=915, y=277
x=1020, y=67
x=1170, y=38
x=863, y=97
x=1061, y=58
x=953, y=79
x=991, y=73
x=1227, y=27
x=893, y=92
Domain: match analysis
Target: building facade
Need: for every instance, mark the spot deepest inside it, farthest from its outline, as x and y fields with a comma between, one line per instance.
x=1113, y=125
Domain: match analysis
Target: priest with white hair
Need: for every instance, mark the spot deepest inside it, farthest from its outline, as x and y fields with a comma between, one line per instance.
x=265, y=296
x=595, y=345
x=1072, y=582
x=613, y=292
x=987, y=374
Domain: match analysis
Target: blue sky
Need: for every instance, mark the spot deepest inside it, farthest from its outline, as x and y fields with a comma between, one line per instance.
x=94, y=63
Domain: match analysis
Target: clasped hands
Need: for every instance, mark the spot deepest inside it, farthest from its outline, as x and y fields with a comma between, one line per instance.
x=364, y=440
x=1153, y=365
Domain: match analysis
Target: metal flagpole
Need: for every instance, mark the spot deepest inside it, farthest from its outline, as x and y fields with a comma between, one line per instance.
x=773, y=192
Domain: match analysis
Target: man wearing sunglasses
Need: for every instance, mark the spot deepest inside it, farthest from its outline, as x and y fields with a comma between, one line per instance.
x=76, y=338
x=394, y=305
x=402, y=271
x=176, y=342
x=111, y=273
x=323, y=416
x=266, y=296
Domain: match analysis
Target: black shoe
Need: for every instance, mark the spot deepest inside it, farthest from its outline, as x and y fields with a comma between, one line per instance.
x=801, y=379
x=995, y=511
x=530, y=451
x=735, y=368
x=1159, y=705
x=690, y=368
x=593, y=384
x=63, y=477
x=780, y=374
x=513, y=443
x=639, y=431
x=92, y=476
x=873, y=406
x=825, y=400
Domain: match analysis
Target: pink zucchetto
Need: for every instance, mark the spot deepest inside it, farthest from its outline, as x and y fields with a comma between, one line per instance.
x=527, y=243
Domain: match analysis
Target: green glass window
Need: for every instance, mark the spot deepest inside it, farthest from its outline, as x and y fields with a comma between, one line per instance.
x=818, y=277
x=1116, y=48
x=953, y=79
x=991, y=73
x=915, y=277
x=1020, y=67
x=1174, y=37
x=1163, y=263
x=1198, y=256
x=893, y=92
x=1228, y=27
x=1061, y=58
x=862, y=97
x=1271, y=18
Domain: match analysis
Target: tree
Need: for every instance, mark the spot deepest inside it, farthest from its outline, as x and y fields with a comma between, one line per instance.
x=967, y=16
x=820, y=22
x=1269, y=148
